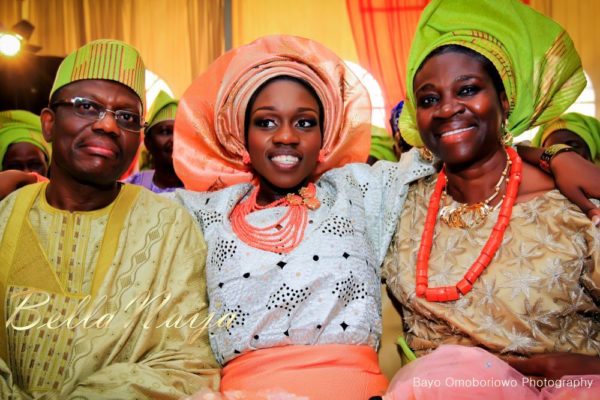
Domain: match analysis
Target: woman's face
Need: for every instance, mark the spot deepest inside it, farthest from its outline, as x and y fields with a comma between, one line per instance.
x=459, y=112
x=284, y=135
x=25, y=157
x=159, y=142
x=565, y=136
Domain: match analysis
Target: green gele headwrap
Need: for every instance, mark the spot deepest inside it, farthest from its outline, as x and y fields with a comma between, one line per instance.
x=535, y=57
x=584, y=126
x=17, y=126
x=105, y=59
x=164, y=108
x=382, y=144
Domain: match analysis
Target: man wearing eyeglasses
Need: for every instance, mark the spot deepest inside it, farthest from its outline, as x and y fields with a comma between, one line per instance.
x=101, y=284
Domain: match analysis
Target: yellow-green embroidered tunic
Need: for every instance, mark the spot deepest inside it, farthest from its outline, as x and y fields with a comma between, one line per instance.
x=59, y=344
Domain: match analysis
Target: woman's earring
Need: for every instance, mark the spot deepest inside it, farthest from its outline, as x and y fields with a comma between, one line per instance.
x=245, y=158
x=321, y=157
x=426, y=154
x=507, y=138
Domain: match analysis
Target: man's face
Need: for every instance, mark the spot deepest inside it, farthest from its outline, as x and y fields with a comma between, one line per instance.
x=95, y=151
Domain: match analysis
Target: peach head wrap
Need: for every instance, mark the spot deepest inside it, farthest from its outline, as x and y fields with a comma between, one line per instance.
x=209, y=126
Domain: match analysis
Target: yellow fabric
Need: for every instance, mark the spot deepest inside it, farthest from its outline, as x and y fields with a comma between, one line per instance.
x=191, y=31
x=311, y=19
x=159, y=248
x=540, y=293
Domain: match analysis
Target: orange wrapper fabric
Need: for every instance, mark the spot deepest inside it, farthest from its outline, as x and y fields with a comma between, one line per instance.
x=317, y=372
x=209, y=126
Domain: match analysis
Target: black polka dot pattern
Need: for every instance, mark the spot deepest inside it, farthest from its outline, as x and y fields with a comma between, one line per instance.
x=327, y=200
x=363, y=188
x=351, y=181
x=240, y=318
x=349, y=290
x=224, y=250
x=287, y=298
x=207, y=218
x=392, y=176
x=338, y=226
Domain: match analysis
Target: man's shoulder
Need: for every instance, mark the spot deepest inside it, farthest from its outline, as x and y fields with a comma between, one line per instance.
x=149, y=203
x=6, y=207
x=8, y=203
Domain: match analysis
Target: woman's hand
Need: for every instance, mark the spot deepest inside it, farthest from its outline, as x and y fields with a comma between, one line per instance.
x=11, y=180
x=576, y=178
x=556, y=365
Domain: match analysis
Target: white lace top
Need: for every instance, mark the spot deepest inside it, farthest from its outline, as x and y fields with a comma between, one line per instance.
x=327, y=290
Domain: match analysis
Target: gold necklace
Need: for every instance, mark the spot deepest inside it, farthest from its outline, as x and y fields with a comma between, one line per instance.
x=471, y=215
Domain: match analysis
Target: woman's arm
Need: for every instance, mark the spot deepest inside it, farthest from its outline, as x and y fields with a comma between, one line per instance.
x=576, y=178
x=11, y=180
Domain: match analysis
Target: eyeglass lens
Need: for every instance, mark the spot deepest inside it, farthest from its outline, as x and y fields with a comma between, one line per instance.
x=91, y=110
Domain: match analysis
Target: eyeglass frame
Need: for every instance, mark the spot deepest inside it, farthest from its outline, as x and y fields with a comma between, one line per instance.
x=101, y=114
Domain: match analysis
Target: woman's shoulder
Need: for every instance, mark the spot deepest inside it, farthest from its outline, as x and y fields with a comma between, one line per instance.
x=410, y=167
x=220, y=200
x=534, y=183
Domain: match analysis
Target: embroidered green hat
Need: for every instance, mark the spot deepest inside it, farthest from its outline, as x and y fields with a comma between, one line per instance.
x=17, y=126
x=164, y=108
x=105, y=59
x=382, y=144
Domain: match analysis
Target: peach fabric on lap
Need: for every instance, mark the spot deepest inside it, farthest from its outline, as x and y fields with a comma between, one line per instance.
x=318, y=372
x=471, y=373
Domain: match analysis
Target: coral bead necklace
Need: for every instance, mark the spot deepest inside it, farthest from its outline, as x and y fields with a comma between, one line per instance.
x=285, y=234
x=451, y=293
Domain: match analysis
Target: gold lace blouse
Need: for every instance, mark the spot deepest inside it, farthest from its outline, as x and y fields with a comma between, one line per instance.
x=540, y=293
